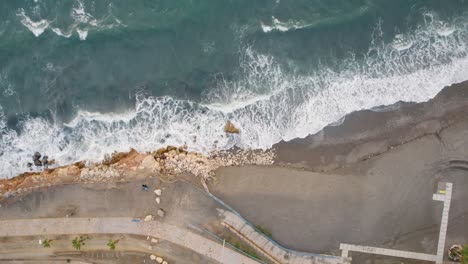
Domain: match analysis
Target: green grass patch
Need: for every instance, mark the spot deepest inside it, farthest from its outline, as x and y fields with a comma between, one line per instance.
x=239, y=244
x=247, y=250
x=263, y=230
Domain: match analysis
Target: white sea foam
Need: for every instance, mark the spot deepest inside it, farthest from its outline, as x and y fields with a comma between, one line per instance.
x=401, y=43
x=101, y=117
x=82, y=33
x=36, y=27
x=267, y=103
x=82, y=22
x=62, y=33
x=276, y=24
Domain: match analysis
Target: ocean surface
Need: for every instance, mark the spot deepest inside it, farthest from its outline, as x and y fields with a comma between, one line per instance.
x=80, y=79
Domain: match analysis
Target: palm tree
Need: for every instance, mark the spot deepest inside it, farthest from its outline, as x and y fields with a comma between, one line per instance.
x=464, y=254
x=46, y=242
x=111, y=244
x=78, y=242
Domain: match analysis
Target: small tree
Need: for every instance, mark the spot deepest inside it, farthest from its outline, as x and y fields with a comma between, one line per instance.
x=464, y=254
x=46, y=243
x=111, y=244
x=78, y=242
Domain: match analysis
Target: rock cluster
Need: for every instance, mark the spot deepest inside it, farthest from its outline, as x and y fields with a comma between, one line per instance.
x=121, y=166
x=158, y=259
x=176, y=160
x=38, y=162
x=99, y=173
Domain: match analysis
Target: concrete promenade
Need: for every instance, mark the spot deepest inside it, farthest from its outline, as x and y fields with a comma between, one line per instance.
x=70, y=226
x=273, y=251
x=386, y=252
x=444, y=194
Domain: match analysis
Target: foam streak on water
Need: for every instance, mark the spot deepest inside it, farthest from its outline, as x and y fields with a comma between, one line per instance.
x=267, y=104
x=82, y=22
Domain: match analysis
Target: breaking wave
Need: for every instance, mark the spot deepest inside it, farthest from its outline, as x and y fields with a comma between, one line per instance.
x=276, y=24
x=82, y=21
x=268, y=103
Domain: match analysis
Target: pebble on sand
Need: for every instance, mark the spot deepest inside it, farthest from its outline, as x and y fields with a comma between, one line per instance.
x=161, y=213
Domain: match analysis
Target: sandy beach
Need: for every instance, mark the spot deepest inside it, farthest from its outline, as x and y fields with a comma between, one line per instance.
x=367, y=181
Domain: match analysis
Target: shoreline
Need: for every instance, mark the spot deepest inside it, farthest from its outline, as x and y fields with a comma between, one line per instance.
x=368, y=182
x=371, y=184
x=367, y=133
x=167, y=163
x=363, y=134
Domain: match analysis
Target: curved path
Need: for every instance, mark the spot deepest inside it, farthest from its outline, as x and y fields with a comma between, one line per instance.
x=122, y=225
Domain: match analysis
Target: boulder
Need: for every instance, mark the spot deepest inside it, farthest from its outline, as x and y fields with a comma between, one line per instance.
x=153, y=257
x=154, y=240
x=36, y=156
x=230, y=128
x=45, y=160
x=62, y=172
x=159, y=259
x=37, y=163
x=148, y=163
x=169, y=148
x=159, y=152
x=158, y=200
x=148, y=218
x=158, y=191
x=73, y=171
x=161, y=213
x=164, y=262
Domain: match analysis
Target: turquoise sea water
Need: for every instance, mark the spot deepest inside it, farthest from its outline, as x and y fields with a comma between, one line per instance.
x=82, y=78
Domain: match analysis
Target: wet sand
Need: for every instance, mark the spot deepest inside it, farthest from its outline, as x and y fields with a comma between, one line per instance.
x=367, y=133
x=369, y=181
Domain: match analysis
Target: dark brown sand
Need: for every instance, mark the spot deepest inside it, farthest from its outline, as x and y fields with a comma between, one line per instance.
x=373, y=181
x=368, y=181
x=366, y=133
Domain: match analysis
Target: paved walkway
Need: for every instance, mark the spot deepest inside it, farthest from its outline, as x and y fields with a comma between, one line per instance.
x=276, y=253
x=174, y=234
x=444, y=194
x=386, y=252
x=446, y=197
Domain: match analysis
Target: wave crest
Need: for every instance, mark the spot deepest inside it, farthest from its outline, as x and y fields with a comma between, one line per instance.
x=82, y=21
x=267, y=102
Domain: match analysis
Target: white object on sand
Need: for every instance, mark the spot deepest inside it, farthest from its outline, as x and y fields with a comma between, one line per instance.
x=159, y=259
x=154, y=240
x=153, y=257
x=148, y=218
x=157, y=191
x=161, y=213
x=158, y=200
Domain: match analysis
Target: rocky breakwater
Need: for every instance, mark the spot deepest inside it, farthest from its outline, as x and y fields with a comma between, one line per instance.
x=174, y=160
x=165, y=162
